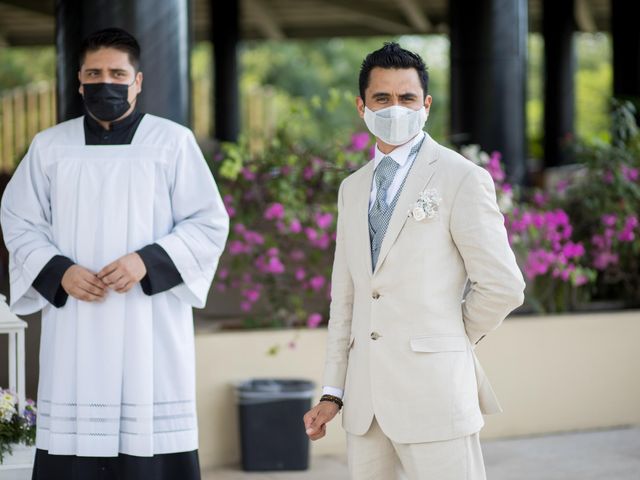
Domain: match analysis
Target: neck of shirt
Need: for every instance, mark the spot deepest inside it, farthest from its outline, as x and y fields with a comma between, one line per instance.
x=400, y=154
x=120, y=132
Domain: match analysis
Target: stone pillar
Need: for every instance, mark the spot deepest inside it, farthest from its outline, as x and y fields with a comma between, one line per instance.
x=161, y=28
x=488, y=78
x=558, y=26
x=225, y=26
x=626, y=51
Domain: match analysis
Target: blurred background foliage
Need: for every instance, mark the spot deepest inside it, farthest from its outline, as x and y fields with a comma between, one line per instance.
x=325, y=73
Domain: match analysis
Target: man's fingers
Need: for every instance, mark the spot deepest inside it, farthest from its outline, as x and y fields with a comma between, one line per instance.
x=84, y=295
x=95, y=282
x=317, y=424
x=112, y=279
x=321, y=433
x=308, y=418
x=109, y=269
x=125, y=288
x=93, y=290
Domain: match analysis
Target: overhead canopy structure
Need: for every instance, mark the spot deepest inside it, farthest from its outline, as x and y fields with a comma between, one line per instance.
x=488, y=52
x=32, y=22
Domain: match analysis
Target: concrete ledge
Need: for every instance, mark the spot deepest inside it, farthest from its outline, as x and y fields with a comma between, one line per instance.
x=555, y=373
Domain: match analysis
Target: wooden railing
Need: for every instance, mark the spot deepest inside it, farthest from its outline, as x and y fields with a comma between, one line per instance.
x=24, y=111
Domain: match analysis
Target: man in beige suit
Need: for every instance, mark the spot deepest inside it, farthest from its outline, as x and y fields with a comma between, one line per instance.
x=422, y=271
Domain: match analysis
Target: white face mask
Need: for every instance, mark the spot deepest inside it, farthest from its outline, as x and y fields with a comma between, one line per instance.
x=395, y=125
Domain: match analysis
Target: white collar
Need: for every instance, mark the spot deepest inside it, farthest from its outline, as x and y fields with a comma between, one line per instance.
x=399, y=154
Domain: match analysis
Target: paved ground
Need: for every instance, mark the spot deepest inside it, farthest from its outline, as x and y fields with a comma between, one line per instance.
x=601, y=455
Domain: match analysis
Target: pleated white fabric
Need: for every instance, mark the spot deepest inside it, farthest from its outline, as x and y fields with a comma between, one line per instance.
x=116, y=376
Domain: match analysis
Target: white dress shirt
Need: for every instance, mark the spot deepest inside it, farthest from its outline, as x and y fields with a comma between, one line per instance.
x=401, y=156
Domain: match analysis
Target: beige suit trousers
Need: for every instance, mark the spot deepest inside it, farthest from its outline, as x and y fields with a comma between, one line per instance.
x=373, y=456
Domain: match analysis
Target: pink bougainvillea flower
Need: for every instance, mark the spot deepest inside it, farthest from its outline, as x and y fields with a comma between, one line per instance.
x=314, y=320
x=295, y=226
x=252, y=295
x=248, y=174
x=275, y=211
x=317, y=282
x=236, y=247
x=630, y=174
x=297, y=255
x=324, y=220
x=359, y=141
x=275, y=266
x=300, y=274
x=609, y=219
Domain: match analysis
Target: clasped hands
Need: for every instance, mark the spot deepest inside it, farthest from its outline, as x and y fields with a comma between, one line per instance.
x=121, y=275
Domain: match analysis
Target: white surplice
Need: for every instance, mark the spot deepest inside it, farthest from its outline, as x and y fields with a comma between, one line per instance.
x=116, y=376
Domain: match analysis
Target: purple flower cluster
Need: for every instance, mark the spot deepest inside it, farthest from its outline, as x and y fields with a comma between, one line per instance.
x=615, y=230
x=548, y=247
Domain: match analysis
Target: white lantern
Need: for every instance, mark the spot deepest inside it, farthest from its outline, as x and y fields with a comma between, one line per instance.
x=14, y=328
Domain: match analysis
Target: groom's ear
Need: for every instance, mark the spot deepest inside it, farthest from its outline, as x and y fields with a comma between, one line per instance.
x=360, y=106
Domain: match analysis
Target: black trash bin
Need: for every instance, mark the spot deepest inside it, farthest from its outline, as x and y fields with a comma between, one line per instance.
x=272, y=433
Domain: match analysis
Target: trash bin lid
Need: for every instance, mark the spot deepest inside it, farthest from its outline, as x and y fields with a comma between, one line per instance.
x=275, y=389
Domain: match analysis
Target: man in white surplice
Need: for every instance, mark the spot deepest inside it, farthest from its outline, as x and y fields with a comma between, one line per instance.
x=114, y=225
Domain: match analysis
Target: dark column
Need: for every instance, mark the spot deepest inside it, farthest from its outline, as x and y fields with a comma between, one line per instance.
x=626, y=51
x=488, y=77
x=558, y=26
x=162, y=29
x=225, y=26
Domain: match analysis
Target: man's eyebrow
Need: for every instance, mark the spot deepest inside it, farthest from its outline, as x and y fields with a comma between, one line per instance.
x=380, y=94
x=408, y=95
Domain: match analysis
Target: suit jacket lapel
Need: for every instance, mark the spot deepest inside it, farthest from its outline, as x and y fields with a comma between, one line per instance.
x=361, y=222
x=417, y=179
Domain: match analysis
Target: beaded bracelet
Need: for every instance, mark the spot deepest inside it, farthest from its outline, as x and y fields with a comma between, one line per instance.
x=333, y=399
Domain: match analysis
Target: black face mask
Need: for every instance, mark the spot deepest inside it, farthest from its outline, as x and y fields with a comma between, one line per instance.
x=106, y=101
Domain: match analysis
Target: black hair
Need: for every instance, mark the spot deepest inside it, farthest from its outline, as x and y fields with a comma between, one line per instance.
x=112, y=38
x=392, y=55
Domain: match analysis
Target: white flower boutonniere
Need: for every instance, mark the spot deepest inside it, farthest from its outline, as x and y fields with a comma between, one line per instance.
x=426, y=206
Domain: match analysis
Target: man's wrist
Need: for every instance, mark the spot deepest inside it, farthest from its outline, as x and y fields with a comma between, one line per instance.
x=332, y=399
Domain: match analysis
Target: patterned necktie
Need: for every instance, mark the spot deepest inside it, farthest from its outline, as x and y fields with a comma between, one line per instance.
x=380, y=213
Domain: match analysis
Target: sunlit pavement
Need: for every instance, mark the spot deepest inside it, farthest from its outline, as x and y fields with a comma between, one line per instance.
x=601, y=455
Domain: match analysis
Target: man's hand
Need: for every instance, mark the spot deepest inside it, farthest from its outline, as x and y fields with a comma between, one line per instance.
x=316, y=419
x=83, y=284
x=124, y=273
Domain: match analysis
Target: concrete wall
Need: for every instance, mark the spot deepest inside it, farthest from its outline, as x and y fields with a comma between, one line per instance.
x=552, y=374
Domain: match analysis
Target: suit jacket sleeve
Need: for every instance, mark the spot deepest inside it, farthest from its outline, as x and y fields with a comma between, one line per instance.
x=341, y=308
x=477, y=228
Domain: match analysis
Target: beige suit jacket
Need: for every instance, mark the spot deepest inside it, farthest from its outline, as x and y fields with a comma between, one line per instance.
x=401, y=337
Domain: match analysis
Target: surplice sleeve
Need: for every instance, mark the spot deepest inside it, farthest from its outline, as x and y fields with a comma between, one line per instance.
x=201, y=224
x=25, y=216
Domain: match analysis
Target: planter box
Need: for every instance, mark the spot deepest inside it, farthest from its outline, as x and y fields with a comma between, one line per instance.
x=19, y=464
x=552, y=374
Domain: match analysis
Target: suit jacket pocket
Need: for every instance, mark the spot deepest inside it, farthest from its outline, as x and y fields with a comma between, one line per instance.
x=435, y=344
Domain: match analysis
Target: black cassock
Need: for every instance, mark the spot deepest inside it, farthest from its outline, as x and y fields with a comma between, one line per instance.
x=162, y=275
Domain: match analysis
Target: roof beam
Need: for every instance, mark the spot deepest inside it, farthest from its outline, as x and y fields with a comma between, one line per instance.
x=37, y=6
x=415, y=15
x=381, y=24
x=267, y=23
x=584, y=16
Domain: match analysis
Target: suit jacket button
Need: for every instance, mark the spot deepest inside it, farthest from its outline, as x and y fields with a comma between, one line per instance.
x=375, y=335
x=375, y=295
